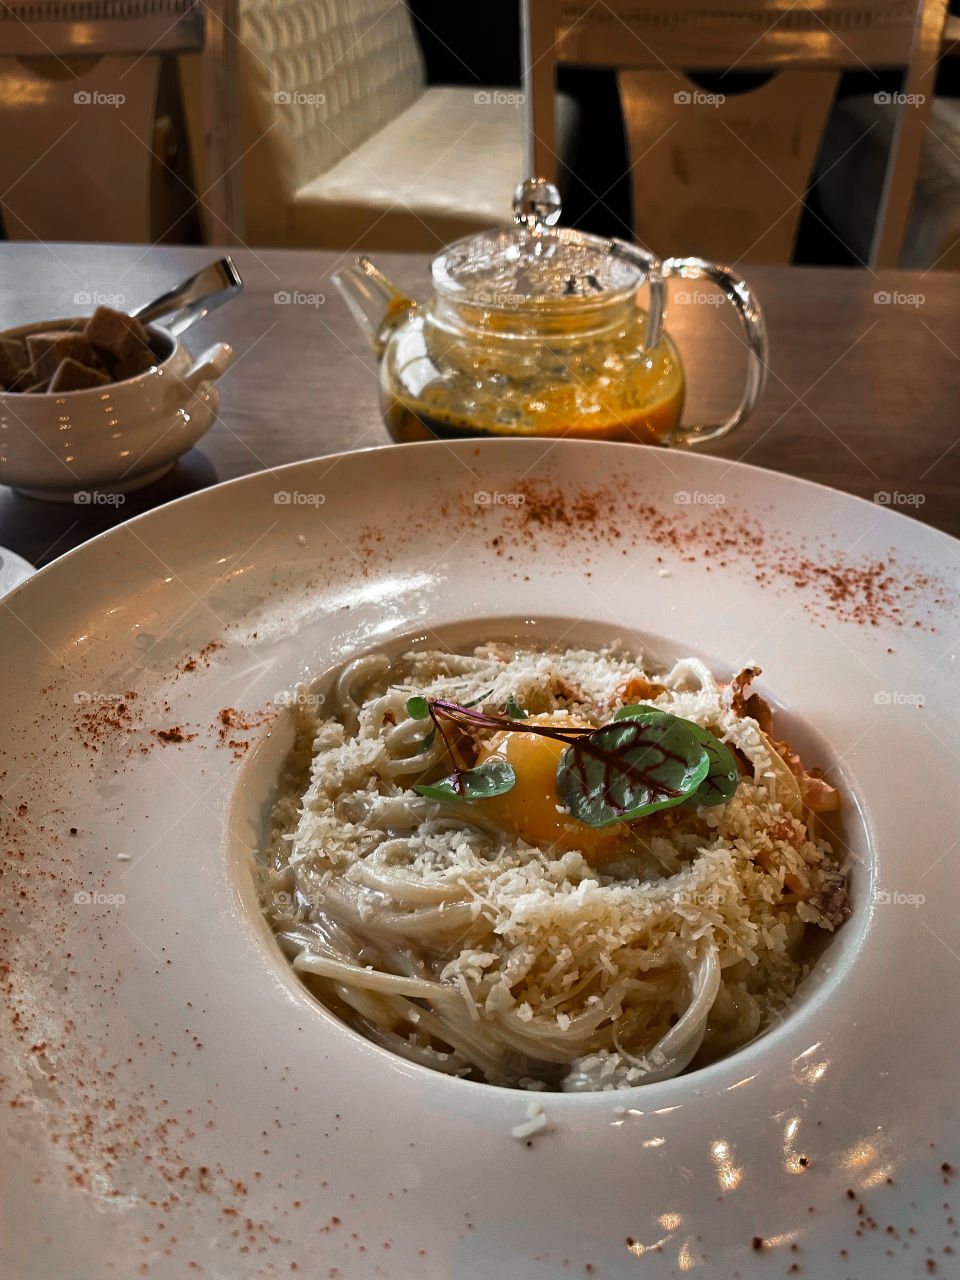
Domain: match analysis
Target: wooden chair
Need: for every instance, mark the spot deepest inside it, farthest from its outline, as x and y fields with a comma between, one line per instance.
x=83, y=156
x=720, y=175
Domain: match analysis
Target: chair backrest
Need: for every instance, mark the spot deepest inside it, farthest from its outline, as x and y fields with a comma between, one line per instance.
x=650, y=42
x=86, y=118
x=749, y=35
x=76, y=27
x=722, y=177
x=319, y=77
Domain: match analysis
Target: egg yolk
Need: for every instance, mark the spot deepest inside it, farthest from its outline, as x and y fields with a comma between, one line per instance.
x=530, y=807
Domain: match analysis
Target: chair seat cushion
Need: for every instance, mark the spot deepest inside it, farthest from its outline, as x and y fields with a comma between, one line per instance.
x=444, y=167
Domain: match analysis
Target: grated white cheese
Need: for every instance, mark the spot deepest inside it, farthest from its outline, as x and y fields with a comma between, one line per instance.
x=560, y=932
x=535, y=1122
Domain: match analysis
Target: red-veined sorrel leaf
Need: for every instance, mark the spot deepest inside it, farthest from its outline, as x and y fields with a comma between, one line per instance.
x=645, y=760
x=630, y=768
x=722, y=778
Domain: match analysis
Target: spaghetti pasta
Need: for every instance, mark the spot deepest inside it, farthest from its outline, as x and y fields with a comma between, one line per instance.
x=504, y=941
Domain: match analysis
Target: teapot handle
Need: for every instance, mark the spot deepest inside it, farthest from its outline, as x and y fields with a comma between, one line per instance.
x=651, y=270
x=754, y=336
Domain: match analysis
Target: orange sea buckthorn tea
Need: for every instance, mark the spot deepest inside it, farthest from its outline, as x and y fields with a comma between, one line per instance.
x=593, y=380
x=536, y=330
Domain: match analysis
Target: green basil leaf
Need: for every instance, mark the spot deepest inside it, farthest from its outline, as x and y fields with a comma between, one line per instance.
x=723, y=776
x=427, y=743
x=492, y=778
x=513, y=709
x=418, y=708
x=630, y=768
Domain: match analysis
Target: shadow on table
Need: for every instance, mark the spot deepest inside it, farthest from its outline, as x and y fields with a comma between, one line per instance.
x=40, y=531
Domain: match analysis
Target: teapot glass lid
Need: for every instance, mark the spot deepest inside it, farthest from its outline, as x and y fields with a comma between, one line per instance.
x=535, y=261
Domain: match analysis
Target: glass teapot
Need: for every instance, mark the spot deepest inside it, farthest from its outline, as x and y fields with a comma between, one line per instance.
x=536, y=330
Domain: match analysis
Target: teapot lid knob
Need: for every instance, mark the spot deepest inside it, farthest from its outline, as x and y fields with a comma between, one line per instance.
x=536, y=204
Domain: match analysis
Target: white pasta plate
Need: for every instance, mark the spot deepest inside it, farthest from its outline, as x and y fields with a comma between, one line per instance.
x=175, y=1103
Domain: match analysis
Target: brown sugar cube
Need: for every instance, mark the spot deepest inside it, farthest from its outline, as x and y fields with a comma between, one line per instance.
x=137, y=362
x=25, y=378
x=71, y=375
x=115, y=335
x=48, y=350
x=37, y=344
x=13, y=360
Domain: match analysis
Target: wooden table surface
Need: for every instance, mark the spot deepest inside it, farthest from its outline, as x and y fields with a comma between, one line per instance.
x=863, y=393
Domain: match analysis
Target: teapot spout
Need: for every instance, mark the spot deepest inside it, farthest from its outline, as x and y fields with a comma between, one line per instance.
x=375, y=303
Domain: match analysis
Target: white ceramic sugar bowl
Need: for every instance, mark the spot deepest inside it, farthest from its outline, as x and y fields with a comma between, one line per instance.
x=114, y=438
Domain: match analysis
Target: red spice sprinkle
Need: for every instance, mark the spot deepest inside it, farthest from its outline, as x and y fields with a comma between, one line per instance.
x=863, y=591
x=232, y=721
x=176, y=734
x=202, y=658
